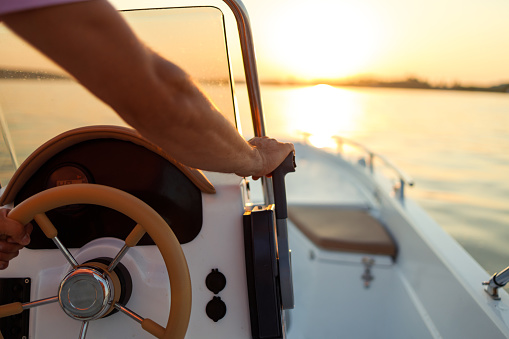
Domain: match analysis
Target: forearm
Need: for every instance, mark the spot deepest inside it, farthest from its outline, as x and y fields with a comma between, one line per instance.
x=96, y=46
x=186, y=124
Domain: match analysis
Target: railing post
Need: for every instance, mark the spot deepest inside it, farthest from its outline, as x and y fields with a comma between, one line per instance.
x=403, y=178
x=401, y=189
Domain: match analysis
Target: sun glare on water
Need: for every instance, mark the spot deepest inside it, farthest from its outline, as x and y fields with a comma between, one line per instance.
x=321, y=112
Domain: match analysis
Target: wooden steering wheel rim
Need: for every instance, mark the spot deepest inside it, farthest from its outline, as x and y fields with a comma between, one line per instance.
x=144, y=215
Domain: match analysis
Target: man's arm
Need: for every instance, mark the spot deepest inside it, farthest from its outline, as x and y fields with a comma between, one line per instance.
x=95, y=45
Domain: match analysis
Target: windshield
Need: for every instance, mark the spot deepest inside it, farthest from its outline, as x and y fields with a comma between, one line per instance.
x=39, y=100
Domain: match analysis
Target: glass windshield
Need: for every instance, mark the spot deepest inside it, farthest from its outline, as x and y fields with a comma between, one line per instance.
x=39, y=100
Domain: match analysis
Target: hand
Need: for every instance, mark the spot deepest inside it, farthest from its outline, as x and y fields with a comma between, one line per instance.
x=13, y=237
x=272, y=153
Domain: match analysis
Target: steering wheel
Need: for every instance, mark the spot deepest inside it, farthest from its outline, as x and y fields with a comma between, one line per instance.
x=97, y=279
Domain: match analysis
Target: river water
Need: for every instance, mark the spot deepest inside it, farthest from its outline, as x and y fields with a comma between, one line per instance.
x=454, y=144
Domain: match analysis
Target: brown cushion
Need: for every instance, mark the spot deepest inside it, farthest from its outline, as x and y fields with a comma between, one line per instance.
x=73, y=137
x=341, y=229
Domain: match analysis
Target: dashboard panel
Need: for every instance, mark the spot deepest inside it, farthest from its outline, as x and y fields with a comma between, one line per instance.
x=123, y=165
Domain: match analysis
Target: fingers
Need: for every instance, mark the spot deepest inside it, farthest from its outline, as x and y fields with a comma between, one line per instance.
x=8, y=251
x=272, y=153
x=267, y=141
x=13, y=230
x=13, y=236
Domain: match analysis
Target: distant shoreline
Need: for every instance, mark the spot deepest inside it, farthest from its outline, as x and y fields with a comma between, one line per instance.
x=410, y=83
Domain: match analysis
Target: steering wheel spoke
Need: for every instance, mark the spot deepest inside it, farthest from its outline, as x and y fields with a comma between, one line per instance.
x=147, y=324
x=132, y=239
x=129, y=313
x=51, y=232
x=17, y=307
x=83, y=331
x=40, y=302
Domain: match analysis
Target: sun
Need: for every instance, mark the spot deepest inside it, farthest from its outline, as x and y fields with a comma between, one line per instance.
x=336, y=40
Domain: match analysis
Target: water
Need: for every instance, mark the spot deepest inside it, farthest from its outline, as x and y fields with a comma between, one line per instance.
x=454, y=144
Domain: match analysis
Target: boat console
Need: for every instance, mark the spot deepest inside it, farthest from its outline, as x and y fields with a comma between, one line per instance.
x=127, y=242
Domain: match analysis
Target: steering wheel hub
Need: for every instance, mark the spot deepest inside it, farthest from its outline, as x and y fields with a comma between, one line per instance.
x=86, y=293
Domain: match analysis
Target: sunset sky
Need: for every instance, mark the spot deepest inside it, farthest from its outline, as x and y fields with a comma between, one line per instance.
x=441, y=41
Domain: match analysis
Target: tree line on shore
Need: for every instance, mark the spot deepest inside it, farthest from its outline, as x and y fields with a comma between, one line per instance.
x=410, y=82
x=416, y=83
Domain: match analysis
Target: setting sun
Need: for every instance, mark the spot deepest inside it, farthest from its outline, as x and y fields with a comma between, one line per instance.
x=442, y=42
x=328, y=42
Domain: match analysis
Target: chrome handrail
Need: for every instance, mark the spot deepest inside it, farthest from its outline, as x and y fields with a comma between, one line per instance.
x=404, y=179
x=253, y=85
x=249, y=61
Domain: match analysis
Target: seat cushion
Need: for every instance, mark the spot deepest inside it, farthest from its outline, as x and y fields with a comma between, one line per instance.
x=338, y=228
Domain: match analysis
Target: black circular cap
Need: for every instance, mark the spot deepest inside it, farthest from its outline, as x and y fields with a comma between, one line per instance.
x=215, y=281
x=216, y=309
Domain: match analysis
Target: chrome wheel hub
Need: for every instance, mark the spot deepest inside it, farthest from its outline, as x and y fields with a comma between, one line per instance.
x=86, y=293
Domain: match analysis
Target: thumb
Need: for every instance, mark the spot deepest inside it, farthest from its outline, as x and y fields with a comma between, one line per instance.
x=13, y=229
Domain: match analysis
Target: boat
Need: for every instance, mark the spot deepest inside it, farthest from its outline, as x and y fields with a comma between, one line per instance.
x=127, y=243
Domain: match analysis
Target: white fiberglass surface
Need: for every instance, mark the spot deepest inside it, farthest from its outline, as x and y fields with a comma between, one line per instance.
x=333, y=302
x=322, y=178
x=219, y=246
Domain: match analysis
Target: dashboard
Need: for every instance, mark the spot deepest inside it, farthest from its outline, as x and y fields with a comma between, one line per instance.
x=120, y=164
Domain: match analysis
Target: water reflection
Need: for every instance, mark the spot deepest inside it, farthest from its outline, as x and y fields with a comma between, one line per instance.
x=452, y=143
x=317, y=113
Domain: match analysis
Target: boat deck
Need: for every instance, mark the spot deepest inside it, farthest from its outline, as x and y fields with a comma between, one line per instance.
x=431, y=288
x=339, y=244
x=361, y=303
x=324, y=179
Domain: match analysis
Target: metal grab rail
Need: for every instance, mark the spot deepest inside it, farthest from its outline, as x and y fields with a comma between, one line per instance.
x=249, y=61
x=404, y=179
x=253, y=85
